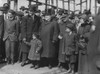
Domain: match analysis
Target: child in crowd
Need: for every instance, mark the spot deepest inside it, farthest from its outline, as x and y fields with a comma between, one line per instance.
x=69, y=47
x=34, y=53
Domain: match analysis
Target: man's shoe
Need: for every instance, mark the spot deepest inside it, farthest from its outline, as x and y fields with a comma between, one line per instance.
x=32, y=66
x=36, y=67
x=23, y=64
x=50, y=67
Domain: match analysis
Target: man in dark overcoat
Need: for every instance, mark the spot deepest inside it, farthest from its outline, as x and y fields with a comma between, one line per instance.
x=48, y=37
x=1, y=32
x=30, y=24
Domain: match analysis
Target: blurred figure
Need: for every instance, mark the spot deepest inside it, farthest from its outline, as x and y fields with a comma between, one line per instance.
x=11, y=32
x=2, y=52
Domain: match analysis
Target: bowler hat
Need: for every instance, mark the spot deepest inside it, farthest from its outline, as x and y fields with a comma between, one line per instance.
x=61, y=11
x=33, y=8
x=19, y=13
x=6, y=5
x=22, y=8
x=48, y=12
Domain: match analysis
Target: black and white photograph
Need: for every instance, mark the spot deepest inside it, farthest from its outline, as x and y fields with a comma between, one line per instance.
x=49, y=36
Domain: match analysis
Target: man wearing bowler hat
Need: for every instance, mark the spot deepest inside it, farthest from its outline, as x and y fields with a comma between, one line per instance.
x=30, y=24
x=49, y=36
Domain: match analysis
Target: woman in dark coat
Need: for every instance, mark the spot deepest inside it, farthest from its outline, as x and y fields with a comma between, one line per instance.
x=82, y=47
x=93, y=49
x=48, y=37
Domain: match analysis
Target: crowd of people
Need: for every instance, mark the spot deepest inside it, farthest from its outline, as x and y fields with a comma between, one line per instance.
x=59, y=39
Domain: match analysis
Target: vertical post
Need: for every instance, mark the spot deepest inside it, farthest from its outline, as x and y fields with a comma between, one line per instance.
x=30, y=2
x=63, y=4
x=69, y=6
x=46, y=5
x=8, y=1
x=15, y=5
x=74, y=5
x=57, y=5
x=81, y=6
x=52, y=3
x=86, y=5
x=37, y=3
x=90, y=5
x=95, y=6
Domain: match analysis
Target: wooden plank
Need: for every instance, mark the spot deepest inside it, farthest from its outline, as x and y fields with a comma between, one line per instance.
x=81, y=2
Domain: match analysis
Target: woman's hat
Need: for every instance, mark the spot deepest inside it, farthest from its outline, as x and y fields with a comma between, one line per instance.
x=70, y=25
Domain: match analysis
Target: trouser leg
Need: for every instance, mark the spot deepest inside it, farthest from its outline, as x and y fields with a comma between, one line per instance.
x=12, y=50
x=24, y=57
x=7, y=47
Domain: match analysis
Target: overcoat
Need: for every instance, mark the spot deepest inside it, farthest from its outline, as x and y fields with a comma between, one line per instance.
x=11, y=30
x=28, y=27
x=62, y=27
x=35, y=46
x=1, y=25
x=83, y=57
x=93, y=49
x=1, y=36
x=65, y=42
x=48, y=35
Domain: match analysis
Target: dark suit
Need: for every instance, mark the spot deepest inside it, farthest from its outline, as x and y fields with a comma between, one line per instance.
x=11, y=32
x=28, y=27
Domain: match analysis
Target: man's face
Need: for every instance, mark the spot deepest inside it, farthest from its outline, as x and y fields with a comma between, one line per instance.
x=67, y=29
x=31, y=13
x=10, y=16
x=47, y=17
x=73, y=20
x=38, y=14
